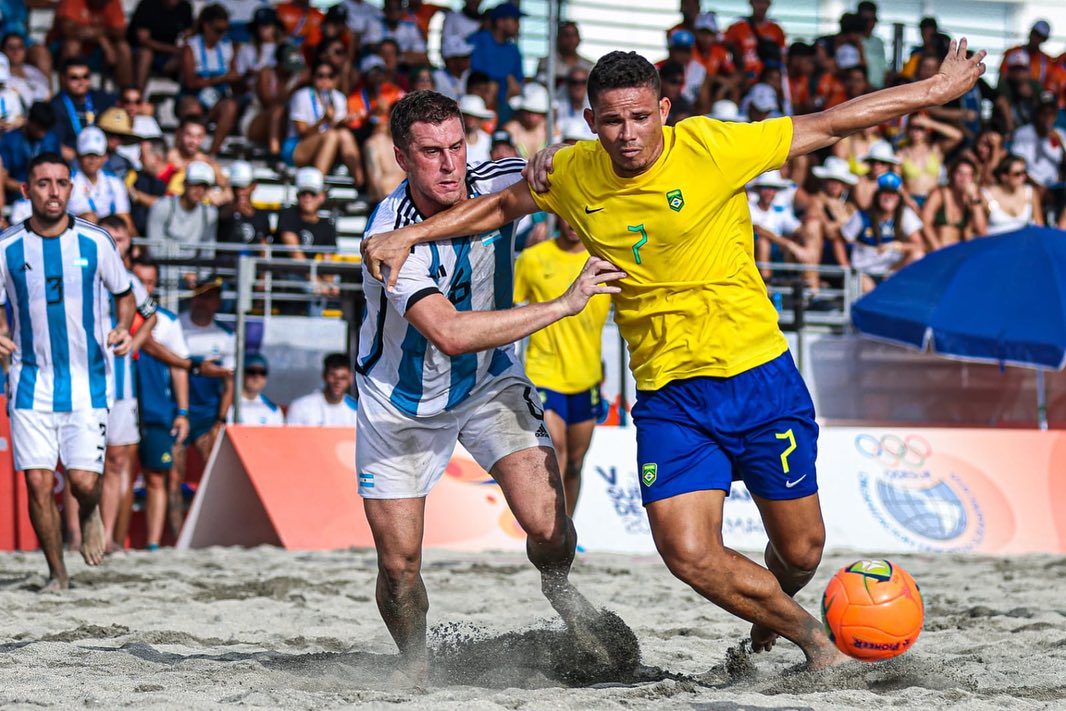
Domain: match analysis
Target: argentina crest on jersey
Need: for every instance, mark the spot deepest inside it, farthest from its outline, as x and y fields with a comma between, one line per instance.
x=396, y=362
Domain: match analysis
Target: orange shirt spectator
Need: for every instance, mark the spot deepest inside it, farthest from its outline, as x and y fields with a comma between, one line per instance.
x=302, y=23
x=742, y=36
x=106, y=15
x=829, y=92
x=716, y=61
x=373, y=93
x=421, y=13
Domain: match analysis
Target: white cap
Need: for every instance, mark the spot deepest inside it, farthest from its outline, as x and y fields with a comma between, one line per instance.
x=455, y=46
x=1018, y=58
x=576, y=128
x=763, y=97
x=5, y=69
x=882, y=152
x=725, y=110
x=199, y=173
x=770, y=179
x=706, y=21
x=847, y=56
x=240, y=174
x=371, y=61
x=146, y=128
x=835, y=168
x=92, y=142
x=309, y=180
x=534, y=99
x=474, y=105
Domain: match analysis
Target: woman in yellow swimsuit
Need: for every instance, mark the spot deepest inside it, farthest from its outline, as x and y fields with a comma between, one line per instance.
x=923, y=154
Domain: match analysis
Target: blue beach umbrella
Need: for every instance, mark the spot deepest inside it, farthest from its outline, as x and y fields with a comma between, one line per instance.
x=993, y=300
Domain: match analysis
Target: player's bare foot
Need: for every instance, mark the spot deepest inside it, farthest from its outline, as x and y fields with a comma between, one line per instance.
x=56, y=584
x=94, y=539
x=825, y=657
x=762, y=638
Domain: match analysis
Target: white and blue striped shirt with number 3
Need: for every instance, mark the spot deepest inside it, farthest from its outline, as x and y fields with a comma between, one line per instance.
x=58, y=290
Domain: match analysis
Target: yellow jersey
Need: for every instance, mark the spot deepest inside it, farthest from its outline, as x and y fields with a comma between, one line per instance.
x=693, y=303
x=565, y=356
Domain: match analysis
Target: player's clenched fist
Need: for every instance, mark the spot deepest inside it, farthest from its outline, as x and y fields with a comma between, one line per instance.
x=591, y=281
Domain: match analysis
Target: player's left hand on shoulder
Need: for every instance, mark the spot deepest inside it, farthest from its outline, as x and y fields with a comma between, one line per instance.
x=386, y=249
x=540, y=166
x=960, y=72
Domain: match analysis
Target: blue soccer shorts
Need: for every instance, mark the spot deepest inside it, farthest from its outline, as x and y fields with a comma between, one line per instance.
x=155, y=448
x=703, y=433
x=574, y=407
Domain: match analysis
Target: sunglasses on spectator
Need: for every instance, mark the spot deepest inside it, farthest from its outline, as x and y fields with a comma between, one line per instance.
x=131, y=99
x=1016, y=173
x=255, y=371
x=78, y=77
x=324, y=75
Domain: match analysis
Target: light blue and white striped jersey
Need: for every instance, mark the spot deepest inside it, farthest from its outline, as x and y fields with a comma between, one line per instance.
x=58, y=289
x=122, y=366
x=396, y=362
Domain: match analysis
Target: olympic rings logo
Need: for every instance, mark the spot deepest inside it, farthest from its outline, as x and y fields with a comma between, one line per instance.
x=893, y=451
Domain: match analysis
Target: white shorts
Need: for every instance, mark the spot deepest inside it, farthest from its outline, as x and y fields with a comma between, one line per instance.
x=401, y=457
x=122, y=423
x=42, y=439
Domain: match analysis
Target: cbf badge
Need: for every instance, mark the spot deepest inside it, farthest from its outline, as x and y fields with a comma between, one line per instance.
x=648, y=473
x=675, y=200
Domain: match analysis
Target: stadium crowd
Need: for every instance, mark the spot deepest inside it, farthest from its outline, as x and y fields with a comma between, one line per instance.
x=291, y=90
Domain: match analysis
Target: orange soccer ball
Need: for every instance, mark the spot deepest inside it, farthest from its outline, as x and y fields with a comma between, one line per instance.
x=872, y=610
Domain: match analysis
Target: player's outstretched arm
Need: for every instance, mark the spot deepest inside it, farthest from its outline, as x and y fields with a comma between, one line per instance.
x=488, y=212
x=456, y=332
x=958, y=74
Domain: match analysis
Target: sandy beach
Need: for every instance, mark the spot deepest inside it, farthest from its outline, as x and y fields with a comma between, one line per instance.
x=269, y=628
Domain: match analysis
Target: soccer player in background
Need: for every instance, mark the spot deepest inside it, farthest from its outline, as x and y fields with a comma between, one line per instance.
x=56, y=271
x=718, y=392
x=437, y=365
x=565, y=359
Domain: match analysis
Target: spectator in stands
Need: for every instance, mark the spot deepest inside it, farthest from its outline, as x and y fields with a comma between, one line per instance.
x=450, y=80
x=464, y=22
x=802, y=78
x=478, y=141
x=480, y=84
x=154, y=33
x=422, y=13
x=775, y=225
x=362, y=16
x=934, y=44
x=118, y=127
x=27, y=80
x=209, y=75
x=761, y=102
x=12, y=115
x=880, y=160
x=713, y=55
x=497, y=55
x=421, y=79
x=1040, y=65
x=336, y=52
x=885, y=237
x=76, y=105
x=502, y=145
x=987, y=151
x=208, y=340
x=680, y=51
x=260, y=51
x=186, y=219
x=300, y=225
x=923, y=154
x=163, y=404
x=573, y=97
x=827, y=213
x=241, y=15
x=302, y=23
x=755, y=39
x=690, y=10
x=14, y=20
x=567, y=57
x=955, y=212
x=240, y=222
x=317, y=133
x=672, y=82
x=274, y=88
x=372, y=91
x=256, y=408
x=396, y=25
x=1012, y=203
x=17, y=148
x=188, y=146
x=873, y=49
x=83, y=26
x=529, y=127
x=147, y=188
x=854, y=82
x=1040, y=144
x=131, y=100
x=96, y=192
x=1017, y=94
x=383, y=173
x=389, y=51
x=332, y=406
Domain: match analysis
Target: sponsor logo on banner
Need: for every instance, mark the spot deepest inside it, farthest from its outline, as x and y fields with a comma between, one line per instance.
x=626, y=501
x=921, y=500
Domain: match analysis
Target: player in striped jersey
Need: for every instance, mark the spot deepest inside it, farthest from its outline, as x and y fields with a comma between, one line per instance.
x=437, y=365
x=57, y=271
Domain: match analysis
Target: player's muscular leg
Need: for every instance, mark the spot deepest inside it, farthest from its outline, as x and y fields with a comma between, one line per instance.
x=45, y=519
x=688, y=534
x=797, y=537
x=557, y=429
x=86, y=487
x=397, y=525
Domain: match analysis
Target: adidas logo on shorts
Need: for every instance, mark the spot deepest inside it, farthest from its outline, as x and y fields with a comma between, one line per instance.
x=542, y=432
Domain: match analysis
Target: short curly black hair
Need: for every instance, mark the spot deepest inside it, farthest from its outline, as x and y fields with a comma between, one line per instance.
x=427, y=106
x=622, y=70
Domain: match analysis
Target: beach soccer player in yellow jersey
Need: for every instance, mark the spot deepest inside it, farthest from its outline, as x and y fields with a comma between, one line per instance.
x=718, y=394
x=564, y=359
